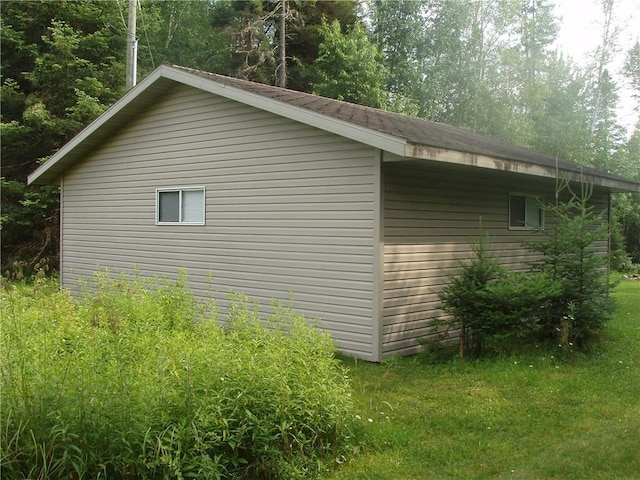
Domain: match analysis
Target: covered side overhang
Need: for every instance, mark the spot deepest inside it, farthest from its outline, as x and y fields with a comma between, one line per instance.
x=582, y=175
x=160, y=82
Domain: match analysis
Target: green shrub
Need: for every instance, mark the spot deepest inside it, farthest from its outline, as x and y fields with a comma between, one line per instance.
x=487, y=301
x=620, y=259
x=566, y=296
x=138, y=381
x=513, y=305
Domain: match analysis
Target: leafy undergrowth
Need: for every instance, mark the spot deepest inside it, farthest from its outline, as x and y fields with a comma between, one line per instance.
x=125, y=384
x=539, y=414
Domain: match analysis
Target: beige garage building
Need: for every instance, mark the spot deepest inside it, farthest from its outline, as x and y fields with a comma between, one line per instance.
x=361, y=214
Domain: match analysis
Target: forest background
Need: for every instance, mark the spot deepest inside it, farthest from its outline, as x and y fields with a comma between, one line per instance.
x=490, y=66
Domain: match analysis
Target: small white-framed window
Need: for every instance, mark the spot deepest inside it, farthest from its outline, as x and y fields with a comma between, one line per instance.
x=180, y=206
x=525, y=212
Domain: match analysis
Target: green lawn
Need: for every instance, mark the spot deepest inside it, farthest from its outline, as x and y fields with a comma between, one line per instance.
x=525, y=416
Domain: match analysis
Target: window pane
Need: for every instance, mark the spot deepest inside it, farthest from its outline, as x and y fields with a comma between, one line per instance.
x=193, y=206
x=534, y=214
x=517, y=211
x=169, y=206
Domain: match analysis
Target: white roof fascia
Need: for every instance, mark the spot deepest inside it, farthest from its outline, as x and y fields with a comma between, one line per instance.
x=95, y=125
x=475, y=160
x=357, y=133
x=515, y=166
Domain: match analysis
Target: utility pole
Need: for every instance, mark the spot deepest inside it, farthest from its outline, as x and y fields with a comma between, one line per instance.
x=132, y=47
x=282, y=68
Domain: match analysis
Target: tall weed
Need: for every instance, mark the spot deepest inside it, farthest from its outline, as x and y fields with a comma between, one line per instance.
x=137, y=380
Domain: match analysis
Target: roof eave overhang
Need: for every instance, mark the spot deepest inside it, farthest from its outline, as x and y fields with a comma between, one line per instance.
x=424, y=152
x=127, y=107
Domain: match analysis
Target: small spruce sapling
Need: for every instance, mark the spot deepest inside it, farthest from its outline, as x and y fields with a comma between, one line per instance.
x=571, y=258
x=462, y=295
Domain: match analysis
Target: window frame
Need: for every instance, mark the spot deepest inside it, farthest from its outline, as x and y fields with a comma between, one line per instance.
x=180, y=191
x=538, y=199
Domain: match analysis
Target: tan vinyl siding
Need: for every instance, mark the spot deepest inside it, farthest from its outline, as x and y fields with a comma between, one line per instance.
x=431, y=212
x=289, y=208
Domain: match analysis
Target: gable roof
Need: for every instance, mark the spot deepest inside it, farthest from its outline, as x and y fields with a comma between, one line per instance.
x=403, y=136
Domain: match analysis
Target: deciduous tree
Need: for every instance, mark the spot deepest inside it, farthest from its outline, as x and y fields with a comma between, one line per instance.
x=348, y=67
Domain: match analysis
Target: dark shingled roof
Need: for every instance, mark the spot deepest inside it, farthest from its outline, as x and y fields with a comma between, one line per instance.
x=413, y=130
x=409, y=136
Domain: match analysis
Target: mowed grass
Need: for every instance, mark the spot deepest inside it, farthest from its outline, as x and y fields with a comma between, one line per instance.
x=537, y=415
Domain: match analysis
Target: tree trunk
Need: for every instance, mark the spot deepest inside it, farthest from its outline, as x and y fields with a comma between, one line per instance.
x=282, y=67
x=462, y=345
